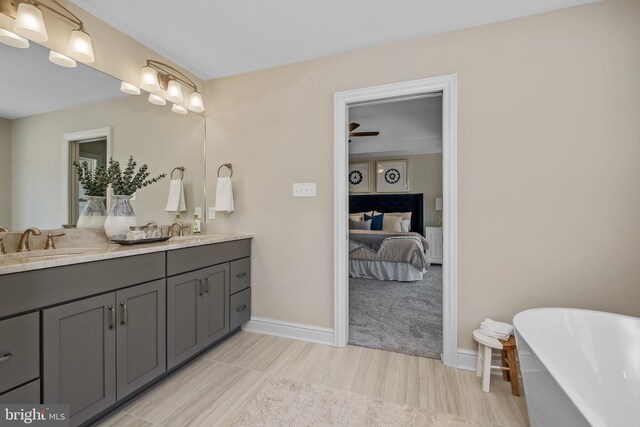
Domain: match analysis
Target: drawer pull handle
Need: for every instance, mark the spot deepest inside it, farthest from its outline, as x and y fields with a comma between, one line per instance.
x=123, y=321
x=241, y=275
x=206, y=285
x=200, y=285
x=6, y=357
x=112, y=318
x=242, y=308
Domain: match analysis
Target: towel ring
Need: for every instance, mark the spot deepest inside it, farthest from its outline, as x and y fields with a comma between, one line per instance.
x=228, y=166
x=180, y=169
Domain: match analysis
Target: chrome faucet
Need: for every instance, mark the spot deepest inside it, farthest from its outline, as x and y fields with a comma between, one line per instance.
x=180, y=229
x=3, y=229
x=23, y=246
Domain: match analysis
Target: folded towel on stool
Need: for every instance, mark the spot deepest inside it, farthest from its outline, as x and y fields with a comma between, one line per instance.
x=494, y=329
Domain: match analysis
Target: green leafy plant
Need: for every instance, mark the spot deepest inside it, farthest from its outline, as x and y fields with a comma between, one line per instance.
x=94, y=182
x=127, y=182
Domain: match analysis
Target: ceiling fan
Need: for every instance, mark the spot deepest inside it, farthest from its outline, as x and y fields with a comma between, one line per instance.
x=353, y=126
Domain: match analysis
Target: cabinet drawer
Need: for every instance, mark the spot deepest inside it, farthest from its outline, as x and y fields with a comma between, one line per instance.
x=240, y=275
x=197, y=257
x=19, y=350
x=239, y=308
x=28, y=393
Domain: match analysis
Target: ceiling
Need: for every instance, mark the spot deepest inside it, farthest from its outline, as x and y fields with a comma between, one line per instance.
x=34, y=85
x=406, y=127
x=217, y=38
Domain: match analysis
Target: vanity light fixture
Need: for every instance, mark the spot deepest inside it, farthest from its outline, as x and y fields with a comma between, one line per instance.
x=29, y=23
x=157, y=77
x=62, y=60
x=13, y=40
x=177, y=108
x=129, y=88
x=155, y=99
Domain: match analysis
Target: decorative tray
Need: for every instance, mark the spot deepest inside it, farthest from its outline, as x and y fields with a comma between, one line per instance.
x=140, y=241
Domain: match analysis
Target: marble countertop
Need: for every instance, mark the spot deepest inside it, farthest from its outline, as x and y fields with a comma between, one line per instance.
x=39, y=259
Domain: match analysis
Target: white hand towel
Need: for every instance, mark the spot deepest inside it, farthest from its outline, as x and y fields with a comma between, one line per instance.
x=224, y=195
x=495, y=329
x=175, y=202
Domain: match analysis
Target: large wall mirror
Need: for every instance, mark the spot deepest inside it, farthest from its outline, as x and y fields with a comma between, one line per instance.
x=51, y=116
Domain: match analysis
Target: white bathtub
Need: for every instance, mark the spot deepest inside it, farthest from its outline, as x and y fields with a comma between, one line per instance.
x=579, y=367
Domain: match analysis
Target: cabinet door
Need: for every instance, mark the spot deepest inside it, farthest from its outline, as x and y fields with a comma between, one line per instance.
x=79, y=356
x=215, y=302
x=184, y=311
x=141, y=334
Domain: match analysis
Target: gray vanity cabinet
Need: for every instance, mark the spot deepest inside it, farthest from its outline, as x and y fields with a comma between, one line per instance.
x=79, y=363
x=140, y=337
x=100, y=349
x=197, y=311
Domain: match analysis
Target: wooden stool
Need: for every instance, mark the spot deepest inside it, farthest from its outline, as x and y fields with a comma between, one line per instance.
x=508, y=366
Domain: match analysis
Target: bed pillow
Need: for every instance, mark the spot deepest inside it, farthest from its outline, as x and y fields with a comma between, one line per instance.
x=359, y=216
x=405, y=225
x=392, y=224
x=376, y=221
x=403, y=215
x=359, y=225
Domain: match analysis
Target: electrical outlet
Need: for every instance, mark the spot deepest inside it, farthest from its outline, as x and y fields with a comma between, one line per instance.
x=212, y=212
x=305, y=189
x=198, y=211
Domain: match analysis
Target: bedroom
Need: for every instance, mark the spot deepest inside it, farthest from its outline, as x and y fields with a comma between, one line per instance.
x=395, y=188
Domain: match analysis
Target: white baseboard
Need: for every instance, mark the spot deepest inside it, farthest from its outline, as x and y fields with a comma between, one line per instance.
x=298, y=331
x=467, y=359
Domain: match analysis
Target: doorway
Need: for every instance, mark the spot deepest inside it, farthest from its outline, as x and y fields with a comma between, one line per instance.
x=342, y=102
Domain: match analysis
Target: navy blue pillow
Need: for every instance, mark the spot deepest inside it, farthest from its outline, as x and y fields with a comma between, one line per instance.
x=376, y=223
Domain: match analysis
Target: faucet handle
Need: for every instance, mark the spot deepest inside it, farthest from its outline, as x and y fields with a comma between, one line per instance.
x=50, y=243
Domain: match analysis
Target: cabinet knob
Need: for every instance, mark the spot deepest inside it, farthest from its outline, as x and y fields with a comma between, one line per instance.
x=6, y=357
x=242, y=308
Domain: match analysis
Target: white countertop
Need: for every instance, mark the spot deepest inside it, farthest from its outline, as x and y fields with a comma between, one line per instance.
x=65, y=256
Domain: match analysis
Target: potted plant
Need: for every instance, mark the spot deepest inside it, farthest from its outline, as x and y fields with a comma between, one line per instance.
x=124, y=183
x=94, y=183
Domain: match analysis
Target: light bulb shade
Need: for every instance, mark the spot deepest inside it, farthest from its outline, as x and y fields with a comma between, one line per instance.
x=438, y=203
x=129, y=88
x=80, y=46
x=174, y=91
x=13, y=40
x=62, y=60
x=176, y=108
x=155, y=99
x=149, y=80
x=29, y=23
x=195, y=102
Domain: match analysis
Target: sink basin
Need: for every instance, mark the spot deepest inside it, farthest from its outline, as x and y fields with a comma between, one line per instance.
x=42, y=255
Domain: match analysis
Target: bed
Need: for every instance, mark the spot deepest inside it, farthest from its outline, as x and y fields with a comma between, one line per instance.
x=388, y=255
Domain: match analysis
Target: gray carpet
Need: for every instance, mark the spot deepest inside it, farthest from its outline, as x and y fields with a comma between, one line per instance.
x=404, y=317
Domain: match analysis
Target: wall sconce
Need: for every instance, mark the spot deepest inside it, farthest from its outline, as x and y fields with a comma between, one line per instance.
x=29, y=24
x=129, y=88
x=164, y=83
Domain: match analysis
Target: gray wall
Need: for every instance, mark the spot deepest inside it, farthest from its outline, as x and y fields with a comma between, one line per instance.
x=5, y=172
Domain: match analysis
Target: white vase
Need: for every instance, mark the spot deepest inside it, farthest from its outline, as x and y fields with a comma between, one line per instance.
x=94, y=213
x=121, y=217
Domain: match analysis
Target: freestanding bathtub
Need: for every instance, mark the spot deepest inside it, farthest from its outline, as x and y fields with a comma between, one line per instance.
x=579, y=367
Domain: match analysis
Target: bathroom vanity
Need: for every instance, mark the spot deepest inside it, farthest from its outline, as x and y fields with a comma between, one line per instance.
x=93, y=329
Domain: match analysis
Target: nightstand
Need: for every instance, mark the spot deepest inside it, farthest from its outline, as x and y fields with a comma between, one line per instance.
x=435, y=251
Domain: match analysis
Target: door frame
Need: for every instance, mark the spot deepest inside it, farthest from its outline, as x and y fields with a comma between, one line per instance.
x=342, y=101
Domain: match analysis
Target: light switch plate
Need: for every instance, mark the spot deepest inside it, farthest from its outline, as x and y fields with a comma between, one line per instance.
x=304, y=189
x=212, y=212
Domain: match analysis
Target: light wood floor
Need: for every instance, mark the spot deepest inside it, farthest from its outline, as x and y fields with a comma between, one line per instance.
x=212, y=389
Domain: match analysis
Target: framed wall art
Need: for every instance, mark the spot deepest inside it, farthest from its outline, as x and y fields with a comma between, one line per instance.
x=392, y=176
x=359, y=177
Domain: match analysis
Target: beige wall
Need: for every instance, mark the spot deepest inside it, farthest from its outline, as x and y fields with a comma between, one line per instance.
x=425, y=176
x=151, y=134
x=548, y=135
x=5, y=172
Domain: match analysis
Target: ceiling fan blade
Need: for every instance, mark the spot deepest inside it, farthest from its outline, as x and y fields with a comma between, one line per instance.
x=353, y=126
x=364, y=134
